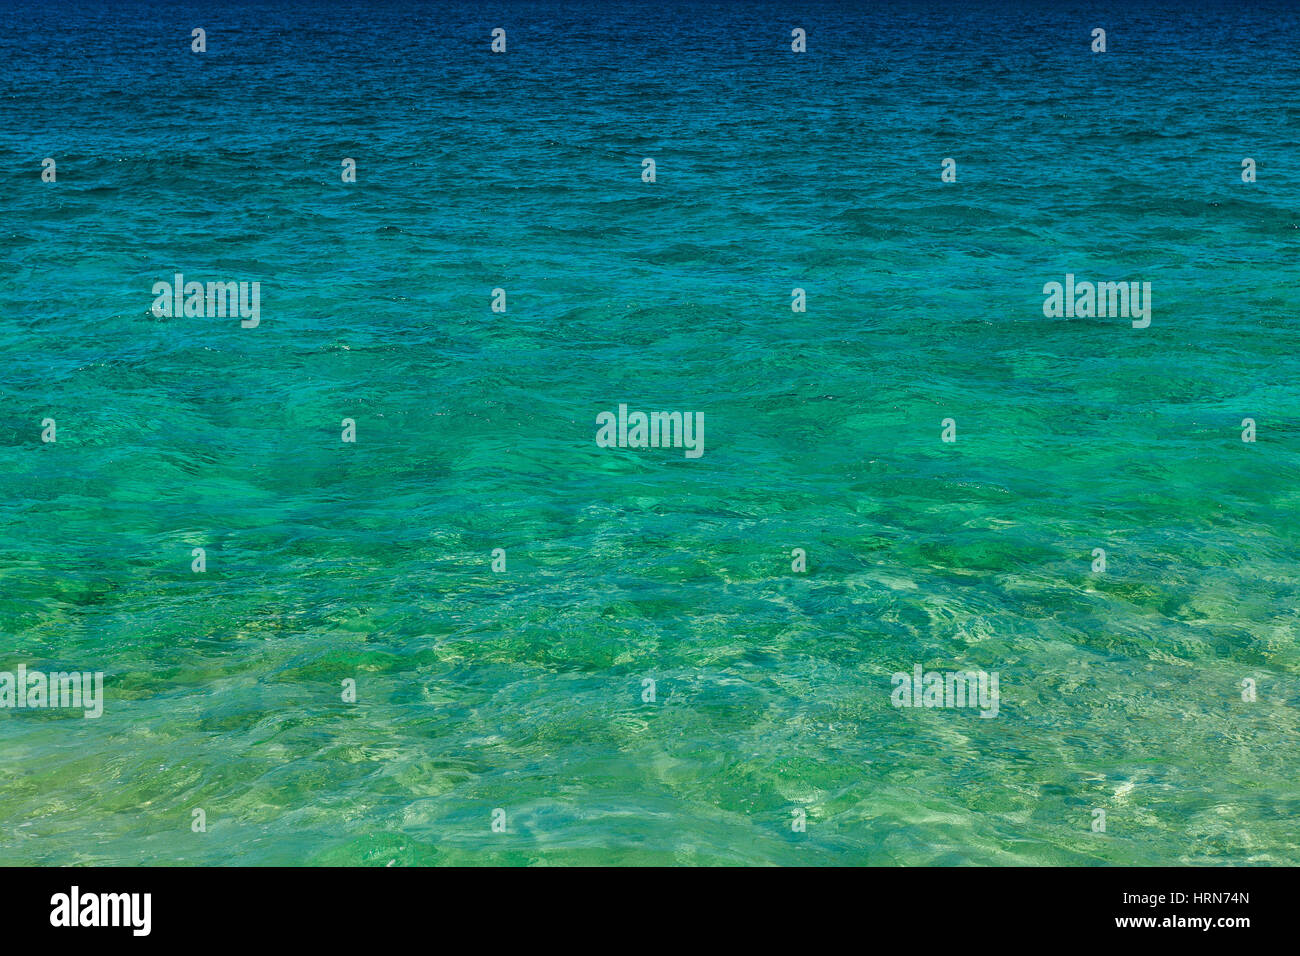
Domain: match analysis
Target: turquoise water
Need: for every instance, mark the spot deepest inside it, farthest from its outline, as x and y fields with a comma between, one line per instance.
x=522, y=690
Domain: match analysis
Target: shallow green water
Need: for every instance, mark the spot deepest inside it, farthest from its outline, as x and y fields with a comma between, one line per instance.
x=522, y=690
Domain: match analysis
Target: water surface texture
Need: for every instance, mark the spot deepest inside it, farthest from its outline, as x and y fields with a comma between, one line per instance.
x=371, y=561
